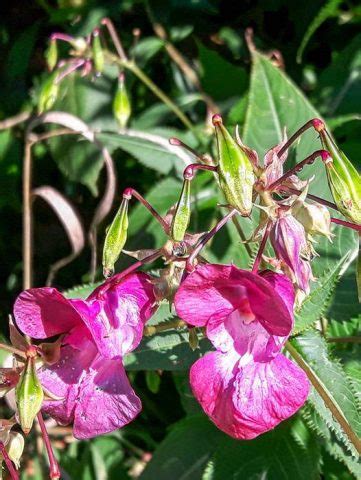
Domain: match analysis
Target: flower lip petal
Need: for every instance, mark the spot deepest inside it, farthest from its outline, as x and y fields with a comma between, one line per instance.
x=246, y=401
x=215, y=291
x=106, y=400
x=44, y=312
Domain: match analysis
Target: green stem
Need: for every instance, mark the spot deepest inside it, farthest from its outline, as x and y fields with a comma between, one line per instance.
x=333, y=407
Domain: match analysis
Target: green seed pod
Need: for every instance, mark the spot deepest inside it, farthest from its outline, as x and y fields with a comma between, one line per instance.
x=182, y=214
x=115, y=238
x=29, y=395
x=343, y=178
x=121, y=105
x=51, y=55
x=98, y=54
x=235, y=171
x=193, y=338
x=48, y=93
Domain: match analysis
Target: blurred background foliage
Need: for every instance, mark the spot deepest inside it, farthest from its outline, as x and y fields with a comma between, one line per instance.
x=320, y=43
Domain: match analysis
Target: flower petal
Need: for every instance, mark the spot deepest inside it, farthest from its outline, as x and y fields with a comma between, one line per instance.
x=283, y=286
x=63, y=378
x=215, y=291
x=116, y=315
x=44, y=312
x=106, y=400
x=245, y=401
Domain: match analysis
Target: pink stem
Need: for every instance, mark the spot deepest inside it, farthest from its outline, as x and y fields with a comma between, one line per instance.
x=300, y=131
x=130, y=192
x=178, y=143
x=114, y=36
x=312, y=197
x=189, y=171
x=70, y=69
x=62, y=36
x=346, y=224
x=54, y=467
x=325, y=157
x=262, y=246
x=206, y=238
x=13, y=473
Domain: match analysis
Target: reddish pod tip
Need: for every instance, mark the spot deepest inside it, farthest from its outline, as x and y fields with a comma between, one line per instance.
x=326, y=157
x=128, y=192
x=175, y=142
x=217, y=119
x=318, y=124
x=96, y=32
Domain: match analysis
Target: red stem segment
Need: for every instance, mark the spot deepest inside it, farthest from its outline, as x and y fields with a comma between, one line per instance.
x=346, y=224
x=54, y=466
x=13, y=473
x=262, y=246
x=130, y=192
x=114, y=36
x=311, y=197
x=190, y=171
x=206, y=238
x=325, y=157
x=300, y=131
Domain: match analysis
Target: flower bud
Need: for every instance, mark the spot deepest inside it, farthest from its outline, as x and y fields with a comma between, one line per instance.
x=79, y=44
x=235, y=171
x=121, y=105
x=343, y=178
x=48, y=93
x=182, y=213
x=15, y=448
x=315, y=218
x=115, y=238
x=51, y=55
x=193, y=338
x=29, y=395
x=98, y=54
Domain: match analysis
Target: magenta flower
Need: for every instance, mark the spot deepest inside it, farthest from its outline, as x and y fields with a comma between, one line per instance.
x=98, y=332
x=247, y=386
x=288, y=238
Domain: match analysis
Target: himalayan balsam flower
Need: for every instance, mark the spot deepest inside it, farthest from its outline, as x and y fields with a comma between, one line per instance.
x=98, y=332
x=246, y=386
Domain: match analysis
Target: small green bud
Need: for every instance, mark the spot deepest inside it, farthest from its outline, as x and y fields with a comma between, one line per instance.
x=235, y=171
x=121, y=105
x=343, y=178
x=51, y=54
x=48, y=93
x=15, y=448
x=153, y=380
x=115, y=238
x=29, y=394
x=98, y=54
x=182, y=213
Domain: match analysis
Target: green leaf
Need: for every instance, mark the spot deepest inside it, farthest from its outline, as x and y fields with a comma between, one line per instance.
x=184, y=453
x=151, y=150
x=275, y=102
x=90, y=101
x=335, y=387
x=330, y=9
x=81, y=291
x=288, y=451
x=316, y=303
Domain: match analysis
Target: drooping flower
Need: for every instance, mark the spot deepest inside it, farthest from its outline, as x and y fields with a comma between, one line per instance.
x=98, y=332
x=288, y=238
x=246, y=386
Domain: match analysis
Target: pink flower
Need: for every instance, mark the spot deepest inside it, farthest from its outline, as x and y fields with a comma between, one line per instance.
x=98, y=332
x=288, y=238
x=247, y=386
